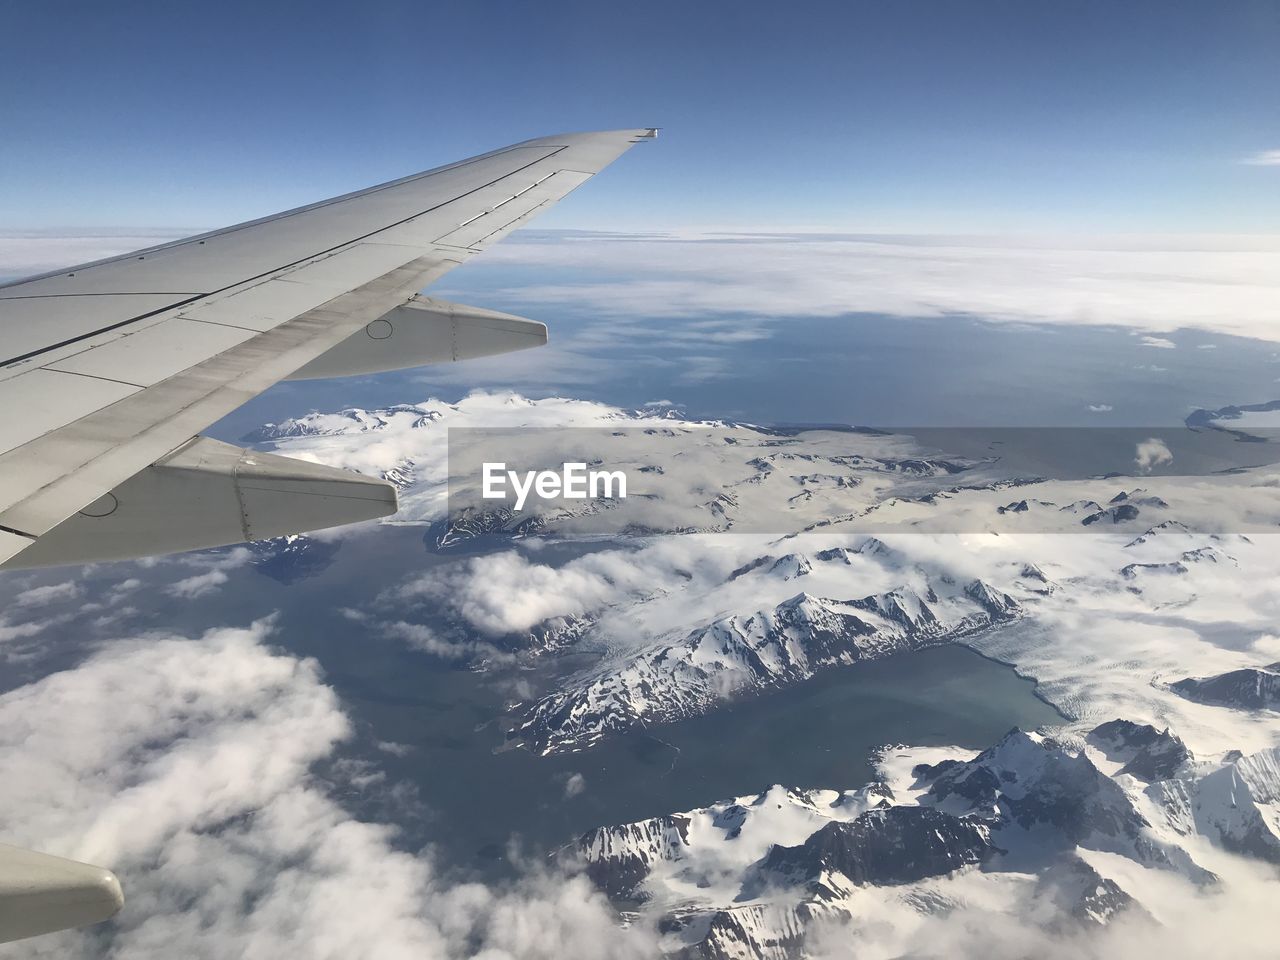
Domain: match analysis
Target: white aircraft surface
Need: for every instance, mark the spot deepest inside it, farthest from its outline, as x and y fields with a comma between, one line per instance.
x=110, y=370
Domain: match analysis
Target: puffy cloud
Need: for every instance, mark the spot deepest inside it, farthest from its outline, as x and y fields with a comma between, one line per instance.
x=508, y=593
x=1150, y=453
x=1100, y=408
x=186, y=765
x=1162, y=343
x=574, y=785
x=505, y=593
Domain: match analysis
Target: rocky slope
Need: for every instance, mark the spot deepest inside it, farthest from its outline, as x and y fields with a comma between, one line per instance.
x=1064, y=843
x=1250, y=688
x=743, y=654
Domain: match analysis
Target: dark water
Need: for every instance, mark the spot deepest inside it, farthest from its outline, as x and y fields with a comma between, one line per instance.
x=814, y=734
x=862, y=369
x=477, y=796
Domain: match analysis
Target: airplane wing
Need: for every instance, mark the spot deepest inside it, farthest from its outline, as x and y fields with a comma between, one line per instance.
x=110, y=370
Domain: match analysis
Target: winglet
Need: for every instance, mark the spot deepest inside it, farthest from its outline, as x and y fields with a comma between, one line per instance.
x=40, y=893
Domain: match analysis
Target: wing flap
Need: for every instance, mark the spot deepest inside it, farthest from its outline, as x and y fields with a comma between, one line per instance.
x=56, y=474
x=209, y=494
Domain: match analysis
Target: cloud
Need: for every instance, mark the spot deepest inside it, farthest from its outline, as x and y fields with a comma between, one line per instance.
x=1150, y=453
x=1156, y=283
x=215, y=564
x=26, y=252
x=200, y=585
x=421, y=637
x=197, y=788
x=502, y=594
x=119, y=590
x=50, y=593
x=701, y=368
x=574, y=785
x=21, y=631
x=1100, y=407
x=1151, y=284
x=1264, y=158
x=986, y=925
x=507, y=593
x=1161, y=342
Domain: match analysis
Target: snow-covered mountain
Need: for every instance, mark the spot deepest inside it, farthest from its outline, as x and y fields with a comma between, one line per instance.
x=293, y=558
x=1156, y=609
x=1047, y=831
x=1249, y=688
x=689, y=476
x=685, y=624
x=776, y=644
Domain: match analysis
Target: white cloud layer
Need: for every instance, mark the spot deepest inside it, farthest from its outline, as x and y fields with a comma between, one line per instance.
x=1154, y=283
x=23, y=253
x=185, y=764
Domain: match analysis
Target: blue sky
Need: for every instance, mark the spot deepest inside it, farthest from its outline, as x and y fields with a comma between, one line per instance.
x=940, y=116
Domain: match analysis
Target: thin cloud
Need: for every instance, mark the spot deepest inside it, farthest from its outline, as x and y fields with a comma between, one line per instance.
x=200, y=585
x=1265, y=158
x=49, y=593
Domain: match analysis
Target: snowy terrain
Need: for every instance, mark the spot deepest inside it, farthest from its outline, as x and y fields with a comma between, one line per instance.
x=683, y=624
x=1152, y=806
x=709, y=476
x=1123, y=826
